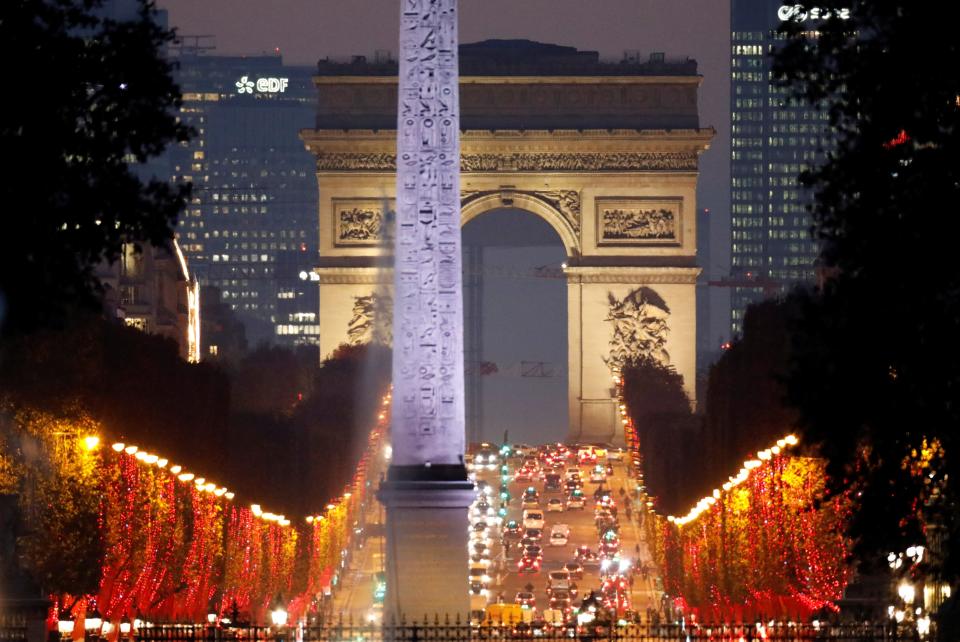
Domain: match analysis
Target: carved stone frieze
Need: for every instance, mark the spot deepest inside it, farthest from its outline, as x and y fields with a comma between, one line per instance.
x=359, y=221
x=638, y=221
x=523, y=162
x=639, y=328
x=567, y=202
x=372, y=320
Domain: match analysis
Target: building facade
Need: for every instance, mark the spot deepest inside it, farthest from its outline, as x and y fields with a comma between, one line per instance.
x=607, y=154
x=772, y=139
x=152, y=290
x=250, y=230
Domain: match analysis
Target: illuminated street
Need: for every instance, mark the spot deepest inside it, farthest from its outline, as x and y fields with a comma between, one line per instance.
x=506, y=581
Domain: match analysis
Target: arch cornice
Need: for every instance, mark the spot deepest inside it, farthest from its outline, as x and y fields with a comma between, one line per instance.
x=473, y=204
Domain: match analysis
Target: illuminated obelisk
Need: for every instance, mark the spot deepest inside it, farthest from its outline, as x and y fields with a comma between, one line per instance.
x=427, y=493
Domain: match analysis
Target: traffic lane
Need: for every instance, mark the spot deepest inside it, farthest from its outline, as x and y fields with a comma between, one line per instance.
x=582, y=532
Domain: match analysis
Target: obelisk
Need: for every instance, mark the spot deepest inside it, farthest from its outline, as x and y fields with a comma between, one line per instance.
x=427, y=493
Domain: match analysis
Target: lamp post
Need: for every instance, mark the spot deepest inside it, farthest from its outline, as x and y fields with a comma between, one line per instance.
x=65, y=626
x=278, y=617
x=92, y=623
x=125, y=628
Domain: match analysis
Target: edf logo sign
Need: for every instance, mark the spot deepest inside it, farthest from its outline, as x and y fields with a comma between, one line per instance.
x=262, y=85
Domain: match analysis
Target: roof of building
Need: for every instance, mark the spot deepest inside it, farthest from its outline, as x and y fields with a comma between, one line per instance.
x=520, y=57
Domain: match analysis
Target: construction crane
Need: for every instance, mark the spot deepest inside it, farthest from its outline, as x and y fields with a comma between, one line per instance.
x=191, y=45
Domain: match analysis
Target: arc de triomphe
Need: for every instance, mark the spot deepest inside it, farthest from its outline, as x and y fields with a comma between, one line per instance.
x=606, y=154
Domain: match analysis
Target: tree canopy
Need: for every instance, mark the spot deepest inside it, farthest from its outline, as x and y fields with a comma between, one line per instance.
x=876, y=360
x=93, y=98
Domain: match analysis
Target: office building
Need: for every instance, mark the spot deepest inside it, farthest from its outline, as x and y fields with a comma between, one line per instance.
x=772, y=139
x=250, y=231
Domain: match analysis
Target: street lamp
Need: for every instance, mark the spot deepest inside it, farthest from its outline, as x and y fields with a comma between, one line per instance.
x=92, y=623
x=907, y=592
x=125, y=628
x=278, y=612
x=65, y=625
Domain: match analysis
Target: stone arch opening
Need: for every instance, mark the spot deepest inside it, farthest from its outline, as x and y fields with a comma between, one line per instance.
x=515, y=327
x=476, y=203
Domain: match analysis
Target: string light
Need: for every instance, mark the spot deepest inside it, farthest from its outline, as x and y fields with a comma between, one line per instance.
x=768, y=541
x=741, y=476
x=164, y=535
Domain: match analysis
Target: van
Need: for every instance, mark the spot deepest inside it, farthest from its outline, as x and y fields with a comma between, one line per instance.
x=552, y=481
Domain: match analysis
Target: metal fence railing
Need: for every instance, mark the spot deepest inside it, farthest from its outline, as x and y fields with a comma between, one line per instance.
x=447, y=631
x=13, y=628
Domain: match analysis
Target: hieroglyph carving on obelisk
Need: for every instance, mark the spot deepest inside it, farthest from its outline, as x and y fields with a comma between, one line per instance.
x=428, y=417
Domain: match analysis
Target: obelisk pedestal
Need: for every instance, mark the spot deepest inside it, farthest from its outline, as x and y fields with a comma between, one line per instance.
x=427, y=493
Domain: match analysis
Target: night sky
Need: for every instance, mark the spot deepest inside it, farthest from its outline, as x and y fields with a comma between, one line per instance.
x=305, y=30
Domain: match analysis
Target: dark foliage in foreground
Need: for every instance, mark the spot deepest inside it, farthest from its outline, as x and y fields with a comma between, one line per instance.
x=876, y=370
x=289, y=456
x=92, y=98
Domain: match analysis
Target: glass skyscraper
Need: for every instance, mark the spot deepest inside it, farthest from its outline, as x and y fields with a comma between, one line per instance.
x=250, y=231
x=772, y=139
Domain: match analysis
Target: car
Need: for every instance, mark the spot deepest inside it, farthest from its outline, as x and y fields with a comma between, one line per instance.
x=575, y=569
x=479, y=574
x=522, y=475
x=587, y=557
x=479, y=559
x=533, y=519
x=482, y=538
x=559, y=579
x=535, y=534
x=605, y=500
x=479, y=548
x=533, y=550
x=552, y=482
x=575, y=501
x=526, y=598
x=586, y=455
x=555, y=505
x=559, y=535
x=528, y=565
x=512, y=528
x=482, y=506
x=530, y=497
x=605, y=524
x=609, y=550
x=560, y=599
x=573, y=484
x=487, y=456
x=598, y=476
x=528, y=541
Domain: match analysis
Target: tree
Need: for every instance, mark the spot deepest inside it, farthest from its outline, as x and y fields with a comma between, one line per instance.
x=92, y=97
x=746, y=406
x=667, y=432
x=876, y=360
